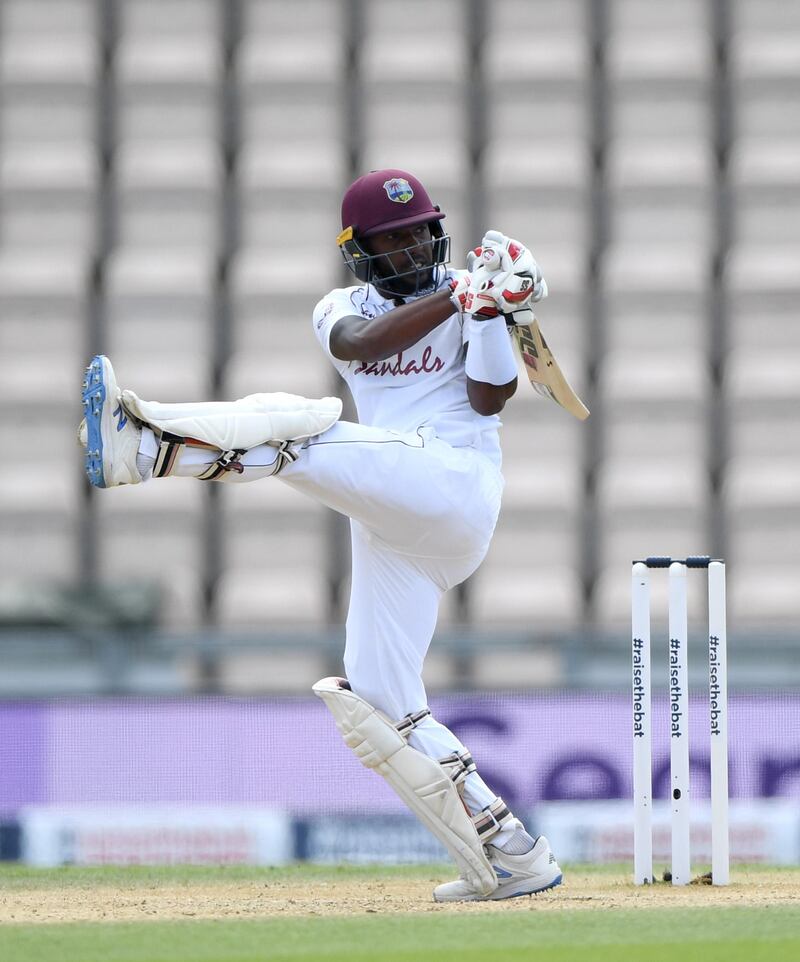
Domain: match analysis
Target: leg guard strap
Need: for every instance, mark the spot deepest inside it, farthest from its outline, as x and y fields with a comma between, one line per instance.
x=491, y=819
x=419, y=780
x=227, y=461
x=286, y=455
x=458, y=766
x=406, y=725
x=169, y=451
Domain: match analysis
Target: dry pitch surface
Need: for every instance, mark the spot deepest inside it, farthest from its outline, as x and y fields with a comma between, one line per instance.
x=152, y=895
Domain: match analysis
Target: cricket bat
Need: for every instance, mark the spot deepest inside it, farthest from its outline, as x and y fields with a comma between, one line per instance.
x=543, y=371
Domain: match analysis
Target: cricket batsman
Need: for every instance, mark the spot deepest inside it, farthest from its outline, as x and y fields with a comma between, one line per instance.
x=426, y=353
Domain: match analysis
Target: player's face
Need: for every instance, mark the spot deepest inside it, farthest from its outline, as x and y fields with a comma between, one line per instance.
x=406, y=251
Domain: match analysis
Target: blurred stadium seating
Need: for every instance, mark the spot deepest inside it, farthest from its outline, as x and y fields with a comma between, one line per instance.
x=170, y=174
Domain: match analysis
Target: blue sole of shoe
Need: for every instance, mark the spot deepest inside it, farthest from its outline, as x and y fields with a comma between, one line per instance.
x=518, y=895
x=93, y=399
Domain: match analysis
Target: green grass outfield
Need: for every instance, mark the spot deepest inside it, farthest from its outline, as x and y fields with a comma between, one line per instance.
x=648, y=926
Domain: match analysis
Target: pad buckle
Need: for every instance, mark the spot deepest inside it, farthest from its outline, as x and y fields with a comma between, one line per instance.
x=227, y=461
x=458, y=766
x=169, y=446
x=491, y=819
x=406, y=725
x=286, y=455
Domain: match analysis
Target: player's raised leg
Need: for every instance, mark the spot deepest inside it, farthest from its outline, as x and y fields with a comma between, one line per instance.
x=118, y=426
x=399, y=485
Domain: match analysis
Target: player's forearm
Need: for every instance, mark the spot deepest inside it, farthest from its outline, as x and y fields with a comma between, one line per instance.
x=490, y=366
x=489, y=399
x=374, y=339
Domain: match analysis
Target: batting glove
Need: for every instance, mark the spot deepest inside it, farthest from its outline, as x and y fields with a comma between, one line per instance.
x=514, y=278
x=470, y=294
x=459, y=289
x=515, y=257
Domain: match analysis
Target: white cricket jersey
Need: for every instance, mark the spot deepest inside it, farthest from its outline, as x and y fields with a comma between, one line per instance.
x=425, y=385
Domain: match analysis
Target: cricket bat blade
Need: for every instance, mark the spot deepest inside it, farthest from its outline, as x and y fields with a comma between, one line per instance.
x=543, y=371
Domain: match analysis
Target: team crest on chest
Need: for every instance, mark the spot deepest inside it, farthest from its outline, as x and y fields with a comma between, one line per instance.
x=398, y=190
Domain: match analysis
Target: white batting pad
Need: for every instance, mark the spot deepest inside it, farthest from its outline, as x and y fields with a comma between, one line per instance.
x=241, y=424
x=420, y=781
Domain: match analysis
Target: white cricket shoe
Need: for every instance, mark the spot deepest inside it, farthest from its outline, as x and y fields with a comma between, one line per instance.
x=536, y=871
x=110, y=435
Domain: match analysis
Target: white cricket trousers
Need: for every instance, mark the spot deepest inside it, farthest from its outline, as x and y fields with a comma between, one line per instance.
x=422, y=517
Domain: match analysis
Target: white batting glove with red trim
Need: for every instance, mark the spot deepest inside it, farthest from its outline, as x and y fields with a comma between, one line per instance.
x=459, y=289
x=469, y=293
x=515, y=257
x=481, y=299
x=519, y=283
x=502, y=293
x=503, y=278
x=485, y=270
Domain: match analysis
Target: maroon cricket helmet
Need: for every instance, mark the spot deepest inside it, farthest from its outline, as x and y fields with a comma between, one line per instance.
x=385, y=200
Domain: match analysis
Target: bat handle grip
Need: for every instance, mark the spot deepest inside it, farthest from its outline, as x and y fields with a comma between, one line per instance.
x=522, y=318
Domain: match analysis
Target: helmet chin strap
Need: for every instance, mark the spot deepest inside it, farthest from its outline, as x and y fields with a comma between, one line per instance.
x=437, y=279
